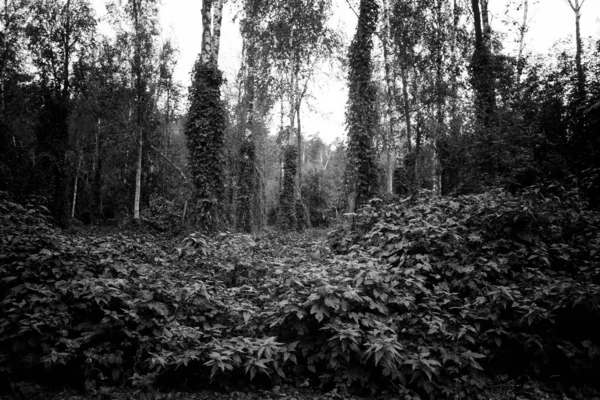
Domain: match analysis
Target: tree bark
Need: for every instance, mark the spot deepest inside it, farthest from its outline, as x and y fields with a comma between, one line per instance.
x=485, y=21
x=482, y=73
x=392, y=110
x=139, y=110
x=216, y=33
x=75, y=185
x=522, y=32
x=206, y=34
x=406, y=106
x=576, y=7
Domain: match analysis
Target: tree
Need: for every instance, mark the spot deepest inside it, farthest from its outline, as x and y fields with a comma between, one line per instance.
x=361, y=116
x=59, y=32
x=13, y=17
x=482, y=73
x=143, y=14
x=576, y=7
x=205, y=125
x=392, y=109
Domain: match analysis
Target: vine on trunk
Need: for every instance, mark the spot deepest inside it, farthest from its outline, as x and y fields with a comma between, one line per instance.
x=287, y=203
x=204, y=130
x=361, y=113
x=247, y=162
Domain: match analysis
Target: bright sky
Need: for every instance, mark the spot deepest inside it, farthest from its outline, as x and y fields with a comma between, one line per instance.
x=551, y=20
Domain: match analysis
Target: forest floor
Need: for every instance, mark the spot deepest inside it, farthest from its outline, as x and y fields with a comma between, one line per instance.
x=294, y=316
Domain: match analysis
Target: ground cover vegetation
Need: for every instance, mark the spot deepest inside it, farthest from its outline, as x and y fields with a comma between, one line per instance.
x=158, y=248
x=430, y=298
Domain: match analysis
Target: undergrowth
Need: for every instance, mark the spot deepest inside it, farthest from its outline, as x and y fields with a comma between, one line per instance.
x=426, y=298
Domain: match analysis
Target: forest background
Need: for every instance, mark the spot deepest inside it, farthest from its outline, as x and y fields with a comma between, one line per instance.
x=113, y=142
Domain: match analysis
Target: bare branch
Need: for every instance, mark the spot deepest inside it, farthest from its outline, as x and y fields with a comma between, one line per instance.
x=163, y=155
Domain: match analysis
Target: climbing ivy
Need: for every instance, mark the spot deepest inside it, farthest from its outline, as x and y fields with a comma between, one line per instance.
x=247, y=162
x=361, y=113
x=287, y=207
x=204, y=130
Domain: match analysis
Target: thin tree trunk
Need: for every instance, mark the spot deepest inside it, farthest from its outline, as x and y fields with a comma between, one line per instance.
x=406, y=106
x=522, y=32
x=138, y=176
x=206, y=34
x=75, y=186
x=418, y=138
x=97, y=168
x=392, y=110
x=139, y=111
x=299, y=173
x=487, y=29
x=216, y=33
x=576, y=7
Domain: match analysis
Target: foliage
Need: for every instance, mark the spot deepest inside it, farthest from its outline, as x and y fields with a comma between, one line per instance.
x=163, y=215
x=514, y=276
x=205, y=127
x=425, y=298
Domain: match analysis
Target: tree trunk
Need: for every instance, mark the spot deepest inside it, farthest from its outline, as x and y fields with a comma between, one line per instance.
x=299, y=173
x=206, y=34
x=487, y=29
x=406, y=106
x=216, y=33
x=392, y=110
x=137, y=69
x=522, y=31
x=97, y=169
x=482, y=73
x=138, y=177
x=76, y=184
x=576, y=6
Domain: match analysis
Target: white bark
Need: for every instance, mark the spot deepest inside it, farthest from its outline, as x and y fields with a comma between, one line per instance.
x=138, y=177
x=75, y=186
x=216, y=33
x=392, y=110
x=205, y=52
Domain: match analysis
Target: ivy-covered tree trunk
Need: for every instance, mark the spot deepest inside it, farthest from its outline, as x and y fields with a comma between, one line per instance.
x=361, y=114
x=287, y=203
x=482, y=74
x=205, y=127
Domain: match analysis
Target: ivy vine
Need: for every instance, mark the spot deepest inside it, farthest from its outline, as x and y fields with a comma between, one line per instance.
x=361, y=113
x=287, y=202
x=204, y=130
x=247, y=162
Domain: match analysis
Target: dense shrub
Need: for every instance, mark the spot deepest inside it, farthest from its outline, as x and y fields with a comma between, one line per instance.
x=427, y=298
x=518, y=276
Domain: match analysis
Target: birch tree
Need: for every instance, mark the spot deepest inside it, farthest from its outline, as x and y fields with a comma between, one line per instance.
x=205, y=124
x=392, y=109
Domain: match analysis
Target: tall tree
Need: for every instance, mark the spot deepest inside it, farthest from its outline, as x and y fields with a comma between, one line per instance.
x=361, y=115
x=143, y=15
x=205, y=124
x=576, y=7
x=248, y=217
x=393, y=133
x=59, y=31
x=482, y=72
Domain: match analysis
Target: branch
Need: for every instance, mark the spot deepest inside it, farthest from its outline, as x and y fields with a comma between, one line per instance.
x=352, y=8
x=171, y=163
